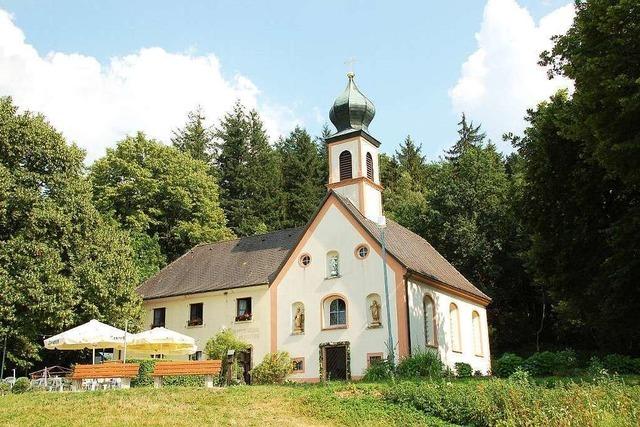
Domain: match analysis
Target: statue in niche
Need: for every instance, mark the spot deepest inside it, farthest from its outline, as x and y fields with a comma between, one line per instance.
x=334, y=270
x=298, y=321
x=375, y=313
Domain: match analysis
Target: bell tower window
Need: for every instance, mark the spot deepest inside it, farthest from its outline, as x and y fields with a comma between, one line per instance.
x=345, y=165
x=369, y=166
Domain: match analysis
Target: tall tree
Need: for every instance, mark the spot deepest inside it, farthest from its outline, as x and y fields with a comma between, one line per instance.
x=410, y=159
x=303, y=173
x=469, y=136
x=249, y=171
x=195, y=138
x=154, y=189
x=61, y=262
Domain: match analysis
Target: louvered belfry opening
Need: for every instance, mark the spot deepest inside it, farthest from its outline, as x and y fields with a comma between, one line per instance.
x=345, y=165
x=369, y=166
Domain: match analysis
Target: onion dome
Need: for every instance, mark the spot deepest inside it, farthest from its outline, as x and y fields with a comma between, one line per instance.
x=351, y=109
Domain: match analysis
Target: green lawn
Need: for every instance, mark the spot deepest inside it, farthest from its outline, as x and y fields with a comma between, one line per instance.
x=335, y=404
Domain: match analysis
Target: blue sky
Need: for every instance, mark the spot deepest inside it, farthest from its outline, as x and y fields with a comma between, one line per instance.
x=290, y=56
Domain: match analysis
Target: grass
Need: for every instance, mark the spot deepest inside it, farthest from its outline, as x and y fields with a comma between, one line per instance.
x=312, y=405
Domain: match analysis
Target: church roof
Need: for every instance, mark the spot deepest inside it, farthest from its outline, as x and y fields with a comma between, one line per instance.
x=414, y=252
x=256, y=260
x=238, y=263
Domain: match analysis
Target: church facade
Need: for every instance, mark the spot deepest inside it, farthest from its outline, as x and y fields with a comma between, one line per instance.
x=318, y=292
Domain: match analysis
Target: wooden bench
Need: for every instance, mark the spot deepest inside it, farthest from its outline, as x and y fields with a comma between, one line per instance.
x=208, y=368
x=123, y=371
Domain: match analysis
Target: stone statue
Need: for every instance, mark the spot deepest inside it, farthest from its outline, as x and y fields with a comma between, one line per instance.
x=298, y=321
x=375, y=313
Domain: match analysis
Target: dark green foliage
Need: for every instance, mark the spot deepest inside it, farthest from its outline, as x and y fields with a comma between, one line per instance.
x=378, y=371
x=273, y=369
x=22, y=385
x=249, y=171
x=506, y=365
x=463, y=370
x=195, y=139
x=304, y=177
x=619, y=364
x=469, y=136
x=157, y=190
x=187, y=381
x=426, y=364
x=540, y=364
x=61, y=262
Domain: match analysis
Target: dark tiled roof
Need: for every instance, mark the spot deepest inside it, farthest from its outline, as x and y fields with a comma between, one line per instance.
x=230, y=264
x=414, y=252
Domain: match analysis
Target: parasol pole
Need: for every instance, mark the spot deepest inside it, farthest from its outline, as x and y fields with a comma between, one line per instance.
x=124, y=356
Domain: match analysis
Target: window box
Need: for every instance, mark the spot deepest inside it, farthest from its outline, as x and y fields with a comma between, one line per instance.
x=243, y=317
x=194, y=322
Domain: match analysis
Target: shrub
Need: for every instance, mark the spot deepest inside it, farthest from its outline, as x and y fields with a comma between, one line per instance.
x=378, y=371
x=22, y=385
x=426, y=364
x=618, y=364
x=566, y=362
x=5, y=388
x=186, y=380
x=506, y=365
x=463, y=370
x=540, y=364
x=273, y=369
x=225, y=340
x=144, y=378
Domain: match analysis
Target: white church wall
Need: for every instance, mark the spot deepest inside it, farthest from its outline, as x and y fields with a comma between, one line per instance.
x=359, y=278
x=416, y=292
x=372, y=202
x=219, y=311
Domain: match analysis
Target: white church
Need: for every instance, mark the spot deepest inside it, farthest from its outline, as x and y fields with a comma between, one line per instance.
x=318, y=292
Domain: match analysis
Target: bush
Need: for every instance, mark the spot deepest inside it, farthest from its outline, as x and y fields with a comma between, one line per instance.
x=225, y=340
x=144, y=378
x=425, y=364
x=540, y=364
x=519, y=401
x=619, y=364
x=378, y=371
x=506, y=365
x=273, y=369
x=463, y=370
x=22, y=385
x=186, y=381
x=5, y=388
x=566, y=362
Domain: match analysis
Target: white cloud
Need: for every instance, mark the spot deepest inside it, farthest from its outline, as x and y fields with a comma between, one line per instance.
x=151, y=90
x=501, y=79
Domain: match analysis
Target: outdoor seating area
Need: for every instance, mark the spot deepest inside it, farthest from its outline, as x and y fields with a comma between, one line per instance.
x=208, y=368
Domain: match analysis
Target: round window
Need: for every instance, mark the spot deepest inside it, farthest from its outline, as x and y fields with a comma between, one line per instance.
x=305, y=260
x=362, y=251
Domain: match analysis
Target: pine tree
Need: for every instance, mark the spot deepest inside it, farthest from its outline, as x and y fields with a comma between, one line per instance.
x=303, y=173
x=468, y=136
x=195, y=139
x=410, y=159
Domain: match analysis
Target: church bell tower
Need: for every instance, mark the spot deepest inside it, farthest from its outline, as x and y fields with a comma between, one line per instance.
x=353, y=153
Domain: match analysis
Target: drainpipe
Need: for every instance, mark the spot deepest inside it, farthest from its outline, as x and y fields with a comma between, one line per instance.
x=382, y=225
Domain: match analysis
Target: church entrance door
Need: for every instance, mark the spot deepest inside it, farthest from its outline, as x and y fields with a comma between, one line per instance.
x=335, y=358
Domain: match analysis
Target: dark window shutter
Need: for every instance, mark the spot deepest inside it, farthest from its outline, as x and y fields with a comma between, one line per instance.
x=369, y=166
x=345, y=165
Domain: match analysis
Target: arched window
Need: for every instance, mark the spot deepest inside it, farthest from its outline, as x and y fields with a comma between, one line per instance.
x=369, y=166
x=337, y=312
x=333, y=264
x=454, y=325
x=477, y=333
x=429, y=321
x=345, y=165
